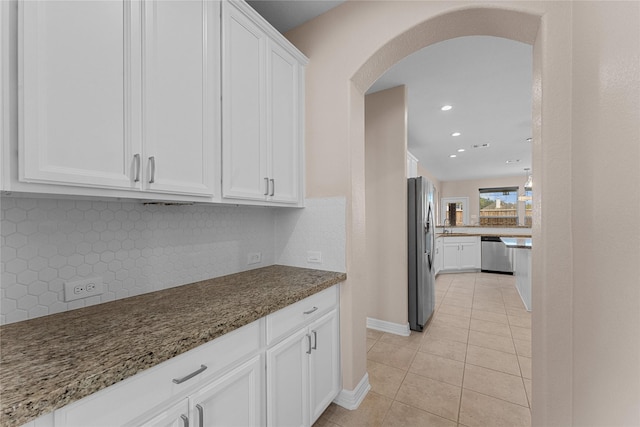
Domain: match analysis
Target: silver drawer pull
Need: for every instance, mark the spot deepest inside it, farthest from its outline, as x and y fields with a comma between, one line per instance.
x=136, y=159
x=315, y=340
x=152, y=161
x=200, y=415
x=273, y=187
x=185, y=421
x=311, y=311
x=191, y=375
x=309, y=341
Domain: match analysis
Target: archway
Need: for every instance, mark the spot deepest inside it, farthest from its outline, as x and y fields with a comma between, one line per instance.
x=349, y=48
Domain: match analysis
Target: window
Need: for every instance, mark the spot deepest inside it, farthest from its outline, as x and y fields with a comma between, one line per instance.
x=528, y=208
x=454, y=210
x=499, y=207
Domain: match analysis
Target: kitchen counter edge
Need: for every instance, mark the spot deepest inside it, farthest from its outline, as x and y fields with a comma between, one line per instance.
x=44, y=362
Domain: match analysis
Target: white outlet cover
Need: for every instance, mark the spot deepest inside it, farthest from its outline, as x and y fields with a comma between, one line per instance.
x=314, y=257
x=254, y=258
x=83, y=288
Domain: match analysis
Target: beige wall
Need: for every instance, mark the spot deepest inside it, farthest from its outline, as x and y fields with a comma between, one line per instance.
x=386, y=204
x=606, y=226
x=469, y=188
x=585, y=349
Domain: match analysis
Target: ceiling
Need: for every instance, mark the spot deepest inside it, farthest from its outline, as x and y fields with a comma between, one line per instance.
x=288, y=14
x=487, y=81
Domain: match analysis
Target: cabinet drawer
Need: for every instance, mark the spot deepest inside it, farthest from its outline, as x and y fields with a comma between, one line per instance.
x=455, y=240
x=145, y=390
x=296, y=315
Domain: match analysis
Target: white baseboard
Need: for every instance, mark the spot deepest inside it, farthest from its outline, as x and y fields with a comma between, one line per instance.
x=351, y=399
x=392, y=328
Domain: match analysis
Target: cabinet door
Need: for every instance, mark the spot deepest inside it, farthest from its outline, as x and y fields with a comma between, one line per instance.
x=450, y=256
x=467, y=255
x=284, y=106
x=235, y=399
x=174, y=416
x=244, y=146
x=77, y=74
x=181, y=127
x=324, y=365
x=288, y=381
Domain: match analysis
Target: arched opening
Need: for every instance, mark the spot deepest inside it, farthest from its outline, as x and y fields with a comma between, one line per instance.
x=391, y=294
x=349, y=50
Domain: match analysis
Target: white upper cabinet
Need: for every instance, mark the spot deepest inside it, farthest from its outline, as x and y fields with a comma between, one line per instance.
x=77, y=101
x=180, y=90
x=120, y=95
x=244, y=142
x=262, y=96
x=123, y=99
x=283, y=123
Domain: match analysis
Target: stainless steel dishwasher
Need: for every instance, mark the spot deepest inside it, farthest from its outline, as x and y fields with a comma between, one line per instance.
x=496, y=256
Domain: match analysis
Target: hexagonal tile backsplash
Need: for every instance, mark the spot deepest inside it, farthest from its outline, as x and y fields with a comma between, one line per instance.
x=139, y=248
x=135, y=248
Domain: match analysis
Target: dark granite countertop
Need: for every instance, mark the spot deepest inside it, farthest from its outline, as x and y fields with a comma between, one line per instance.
x=49, y=362
x=516, y=243
x=476, y=234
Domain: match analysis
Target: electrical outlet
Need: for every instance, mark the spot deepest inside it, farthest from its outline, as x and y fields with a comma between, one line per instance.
x=314, y=257
x=254, y=258
x=84, y=288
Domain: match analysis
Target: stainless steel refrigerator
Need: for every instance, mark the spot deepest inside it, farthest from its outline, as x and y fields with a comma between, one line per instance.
x=421, y=227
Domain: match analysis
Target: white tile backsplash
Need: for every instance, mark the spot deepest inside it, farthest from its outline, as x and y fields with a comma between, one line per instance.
x=139, y=248
x=320, y=227
x=135, y=248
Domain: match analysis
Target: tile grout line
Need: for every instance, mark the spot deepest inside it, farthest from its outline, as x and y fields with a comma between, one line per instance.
x=519, y=366
x=464, y=368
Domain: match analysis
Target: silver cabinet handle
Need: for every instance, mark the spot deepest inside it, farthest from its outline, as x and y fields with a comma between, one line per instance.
x=315, y=340
x=191, y=375
x=152, y=160
x=266, y=186
x=200, y=415
x=273, y=186
x=311, y=311
x=309, y=342
x=136, y=159
x=185, y=421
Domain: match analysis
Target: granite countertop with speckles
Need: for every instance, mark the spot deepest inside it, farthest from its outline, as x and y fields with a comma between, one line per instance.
x=516, y=243
x=51, y=361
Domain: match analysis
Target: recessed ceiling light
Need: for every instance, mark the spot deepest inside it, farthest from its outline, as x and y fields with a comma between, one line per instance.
x=452, y=155
x=529, y=139
x=456, y=134
x=446, y=107
x=513, y=161
x=461, y=150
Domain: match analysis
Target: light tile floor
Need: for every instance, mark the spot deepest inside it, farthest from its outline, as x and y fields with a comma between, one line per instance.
x=471, y=367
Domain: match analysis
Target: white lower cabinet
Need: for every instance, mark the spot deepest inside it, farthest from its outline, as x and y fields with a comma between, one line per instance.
x=461, y=253
x=281, y=370
x=174, y=416
x=235, y=399
x=287, y=381
x=303, y=375
x=324, y=366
